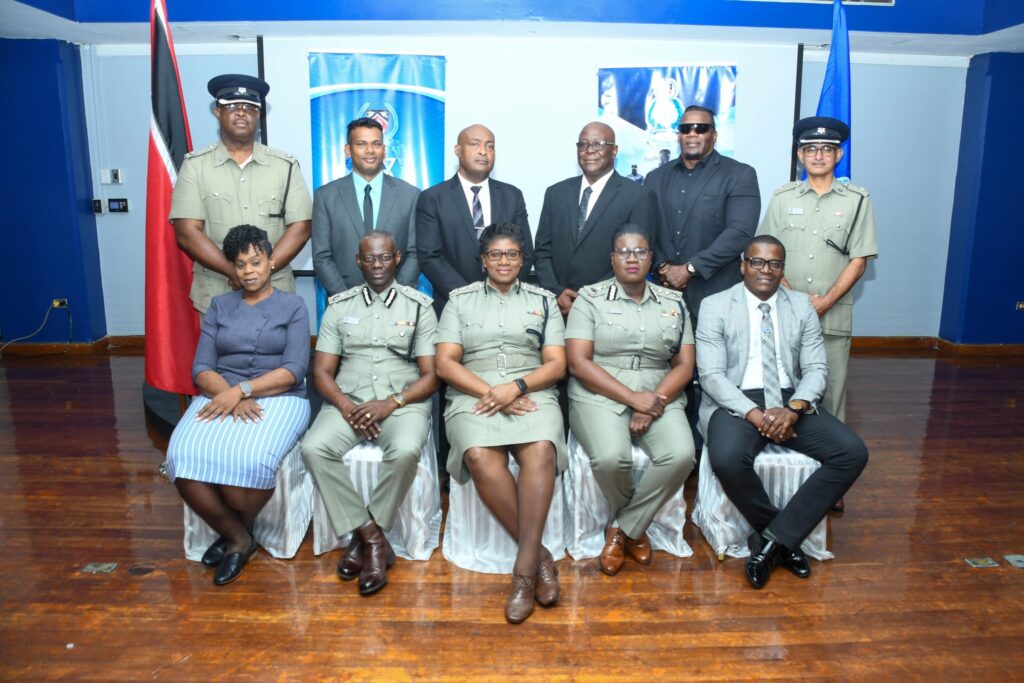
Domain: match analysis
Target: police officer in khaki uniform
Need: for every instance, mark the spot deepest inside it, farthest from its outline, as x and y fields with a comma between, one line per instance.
x=828, y=228
x=631, y=353
x=382, y=334
x=238, y=181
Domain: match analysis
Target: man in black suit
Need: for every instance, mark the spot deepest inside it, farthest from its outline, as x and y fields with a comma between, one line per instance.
x=347, y=209
x=451, y=215
x=580, y=214
x=709, y=209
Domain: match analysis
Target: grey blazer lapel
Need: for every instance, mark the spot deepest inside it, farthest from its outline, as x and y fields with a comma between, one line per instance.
x=387, y=202
x=349, y=203
x=458, y=198
x=788, y=332
x=741, y=319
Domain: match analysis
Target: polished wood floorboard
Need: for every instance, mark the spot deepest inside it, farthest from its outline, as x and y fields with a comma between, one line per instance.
x=79, y=484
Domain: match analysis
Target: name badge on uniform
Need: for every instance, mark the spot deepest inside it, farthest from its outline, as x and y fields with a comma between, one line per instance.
x=404, y=323
x=537, y=312
x=350, y=320
x=613, y=311
x=673, y=313
x=796, y=211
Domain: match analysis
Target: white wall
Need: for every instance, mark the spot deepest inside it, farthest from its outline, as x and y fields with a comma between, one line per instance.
x=906, y=122
x=536, y=93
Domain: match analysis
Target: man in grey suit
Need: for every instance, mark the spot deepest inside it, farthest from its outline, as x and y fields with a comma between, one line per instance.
x=451, y=215
x=762, y=364
x=580, y=214
x=709, y=209
x=346, y=209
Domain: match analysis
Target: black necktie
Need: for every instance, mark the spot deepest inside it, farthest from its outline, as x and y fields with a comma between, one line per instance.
x=367, y=211
x=478, y=210
x=581, y=219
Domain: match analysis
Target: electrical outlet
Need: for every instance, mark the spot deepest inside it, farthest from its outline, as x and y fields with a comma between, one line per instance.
x=60, y=303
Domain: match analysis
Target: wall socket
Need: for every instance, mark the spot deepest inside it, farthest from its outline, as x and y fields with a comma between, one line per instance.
x=60, y=303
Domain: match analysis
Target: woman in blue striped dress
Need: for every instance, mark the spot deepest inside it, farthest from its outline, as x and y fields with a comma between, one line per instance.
x=250, y=366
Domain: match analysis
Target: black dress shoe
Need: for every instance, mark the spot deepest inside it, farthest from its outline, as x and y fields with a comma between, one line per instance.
x=231, y=566
x=759, y=565
x=794, y=561
x=215, y=553
x=351, y=561
x=378, y=558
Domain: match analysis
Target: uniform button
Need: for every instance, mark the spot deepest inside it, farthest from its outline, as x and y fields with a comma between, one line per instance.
x=376, y=316
x=812, y=256
x=501, y=324
x=502, y=373
x=679, y=210
x=374, y=378
x=641, y=329
x=273, y=196
x=810, y=279
x=609, y=322
x=241, y=180
x=677, y=232
x=216, y=194
x=817, y=209
x=682, y=191
x=402, y=334
x=501, y=303
x=814, y=232
x=246, y=207
x=374, y=340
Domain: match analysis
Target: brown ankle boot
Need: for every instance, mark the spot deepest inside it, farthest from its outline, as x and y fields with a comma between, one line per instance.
x=378, y=557
x=351, y=561
x=519, y=605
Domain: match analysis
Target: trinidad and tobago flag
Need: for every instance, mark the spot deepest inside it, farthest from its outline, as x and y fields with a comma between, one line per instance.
x=172, y=324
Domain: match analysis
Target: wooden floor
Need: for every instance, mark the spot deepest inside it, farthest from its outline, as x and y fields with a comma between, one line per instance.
x=79, y=484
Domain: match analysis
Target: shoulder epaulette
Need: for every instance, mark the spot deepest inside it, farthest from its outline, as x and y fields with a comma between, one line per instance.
x=415, y=294
x=201, y=152
x=598, y=290
x=347, y=294
x=665, y=292
x=281, y=154
x=791, y=185
x=471, y=287
x=529, y=287
x=857, y=189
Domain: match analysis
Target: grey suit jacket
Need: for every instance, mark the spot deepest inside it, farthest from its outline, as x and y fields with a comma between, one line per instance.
x=723, y=337
x=338, y=227
x=564, y=260
x=714, y=230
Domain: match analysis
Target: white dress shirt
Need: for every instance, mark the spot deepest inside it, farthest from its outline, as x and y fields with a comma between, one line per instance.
x=485, y=196
x=595, y=190
x=753, y=375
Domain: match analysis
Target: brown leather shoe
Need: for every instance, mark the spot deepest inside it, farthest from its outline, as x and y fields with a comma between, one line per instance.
x=613, y=555
x=519, y=605
x=839, y=506
x=546, y=590
x=639, y=549
x=378, y=557
x=351, y=561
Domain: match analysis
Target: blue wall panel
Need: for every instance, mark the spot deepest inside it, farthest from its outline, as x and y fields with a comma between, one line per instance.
x=49, y=232
x=983, y=282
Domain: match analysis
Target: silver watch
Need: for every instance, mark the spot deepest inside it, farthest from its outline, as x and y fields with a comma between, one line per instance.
x=246, y=389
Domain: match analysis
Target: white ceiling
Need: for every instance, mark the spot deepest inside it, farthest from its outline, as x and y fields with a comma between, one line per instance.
x=22, y=21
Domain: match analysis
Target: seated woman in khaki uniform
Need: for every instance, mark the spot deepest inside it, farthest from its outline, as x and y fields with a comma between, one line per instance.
x=500, y=348
x=630, y=349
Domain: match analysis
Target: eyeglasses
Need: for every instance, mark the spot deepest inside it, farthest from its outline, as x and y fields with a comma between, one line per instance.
x=243, y=107
x=826, y=150
x=496, y=254
x=698, y=128
x=370, y=259
x=598, y=146
x=639, y=253
x=759, y=264
x=363, y=144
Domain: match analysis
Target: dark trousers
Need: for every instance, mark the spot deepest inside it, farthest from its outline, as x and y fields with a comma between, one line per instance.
x=733, y=444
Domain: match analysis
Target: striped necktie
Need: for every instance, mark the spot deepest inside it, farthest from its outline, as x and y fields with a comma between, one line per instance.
x=478, y=210
x=772, y=390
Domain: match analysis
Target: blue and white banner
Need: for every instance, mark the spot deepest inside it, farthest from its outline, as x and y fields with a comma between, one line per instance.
x=406, y=93
x=834, y=100
x=645, y=104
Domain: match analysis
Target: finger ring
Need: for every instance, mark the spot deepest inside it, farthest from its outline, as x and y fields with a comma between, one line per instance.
x=491, y=404
x=771, y=418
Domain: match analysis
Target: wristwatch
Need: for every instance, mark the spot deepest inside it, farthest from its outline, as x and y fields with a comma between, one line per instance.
x=690, y=268
x=521, y=383
x=794, y=406
x=399, y=399
x=246, y=389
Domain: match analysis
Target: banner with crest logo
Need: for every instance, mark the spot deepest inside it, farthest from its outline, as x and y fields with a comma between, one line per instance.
x=406, y=93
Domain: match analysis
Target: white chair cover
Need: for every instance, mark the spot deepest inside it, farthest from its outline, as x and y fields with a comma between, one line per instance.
x=589, y=512
x=417, y=528
x=474, y=540
x=783, y=471
x=281, y=524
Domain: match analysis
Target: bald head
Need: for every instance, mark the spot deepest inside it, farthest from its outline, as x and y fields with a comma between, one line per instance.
x=596, y=150
x=475, y=151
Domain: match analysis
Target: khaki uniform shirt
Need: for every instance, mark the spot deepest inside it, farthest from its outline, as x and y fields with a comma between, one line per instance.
x=379, y=337
x=632, y=341
x=804, y=222
x=212, y=188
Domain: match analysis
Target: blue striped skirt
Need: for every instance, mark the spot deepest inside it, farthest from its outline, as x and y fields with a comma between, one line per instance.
x=231, y=453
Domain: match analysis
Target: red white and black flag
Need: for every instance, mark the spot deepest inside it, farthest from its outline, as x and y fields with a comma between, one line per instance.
x=172, y=324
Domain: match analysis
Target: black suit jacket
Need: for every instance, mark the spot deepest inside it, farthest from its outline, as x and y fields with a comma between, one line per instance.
x=446, y=242
x=562, y=260
x=716, y=228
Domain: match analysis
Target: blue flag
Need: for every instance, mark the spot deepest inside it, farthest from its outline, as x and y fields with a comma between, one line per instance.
x=835, y=91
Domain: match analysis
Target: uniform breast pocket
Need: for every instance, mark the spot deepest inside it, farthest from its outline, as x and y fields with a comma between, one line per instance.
x=611, y=335
x=670, y=331
x=838, y=231
x=400, y=338
x=270, y=205
x=475, y=335
x=220, y=208
x=791, y=223
x=533, y=327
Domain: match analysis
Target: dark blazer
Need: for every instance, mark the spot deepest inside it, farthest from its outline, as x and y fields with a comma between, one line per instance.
x=338, y=227
x=562, y=261
x=446, y=241
x=715, y=229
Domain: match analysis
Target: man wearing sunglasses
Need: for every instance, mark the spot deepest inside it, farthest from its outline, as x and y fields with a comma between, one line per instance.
x=762, y=366
x=238, y=181
x=828, y=227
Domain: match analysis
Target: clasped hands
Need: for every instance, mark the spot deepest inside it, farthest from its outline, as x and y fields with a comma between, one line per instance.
x=230, y=402
x=504, y=398
x=365, y=418
x=647, y=406
x=774, y=423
